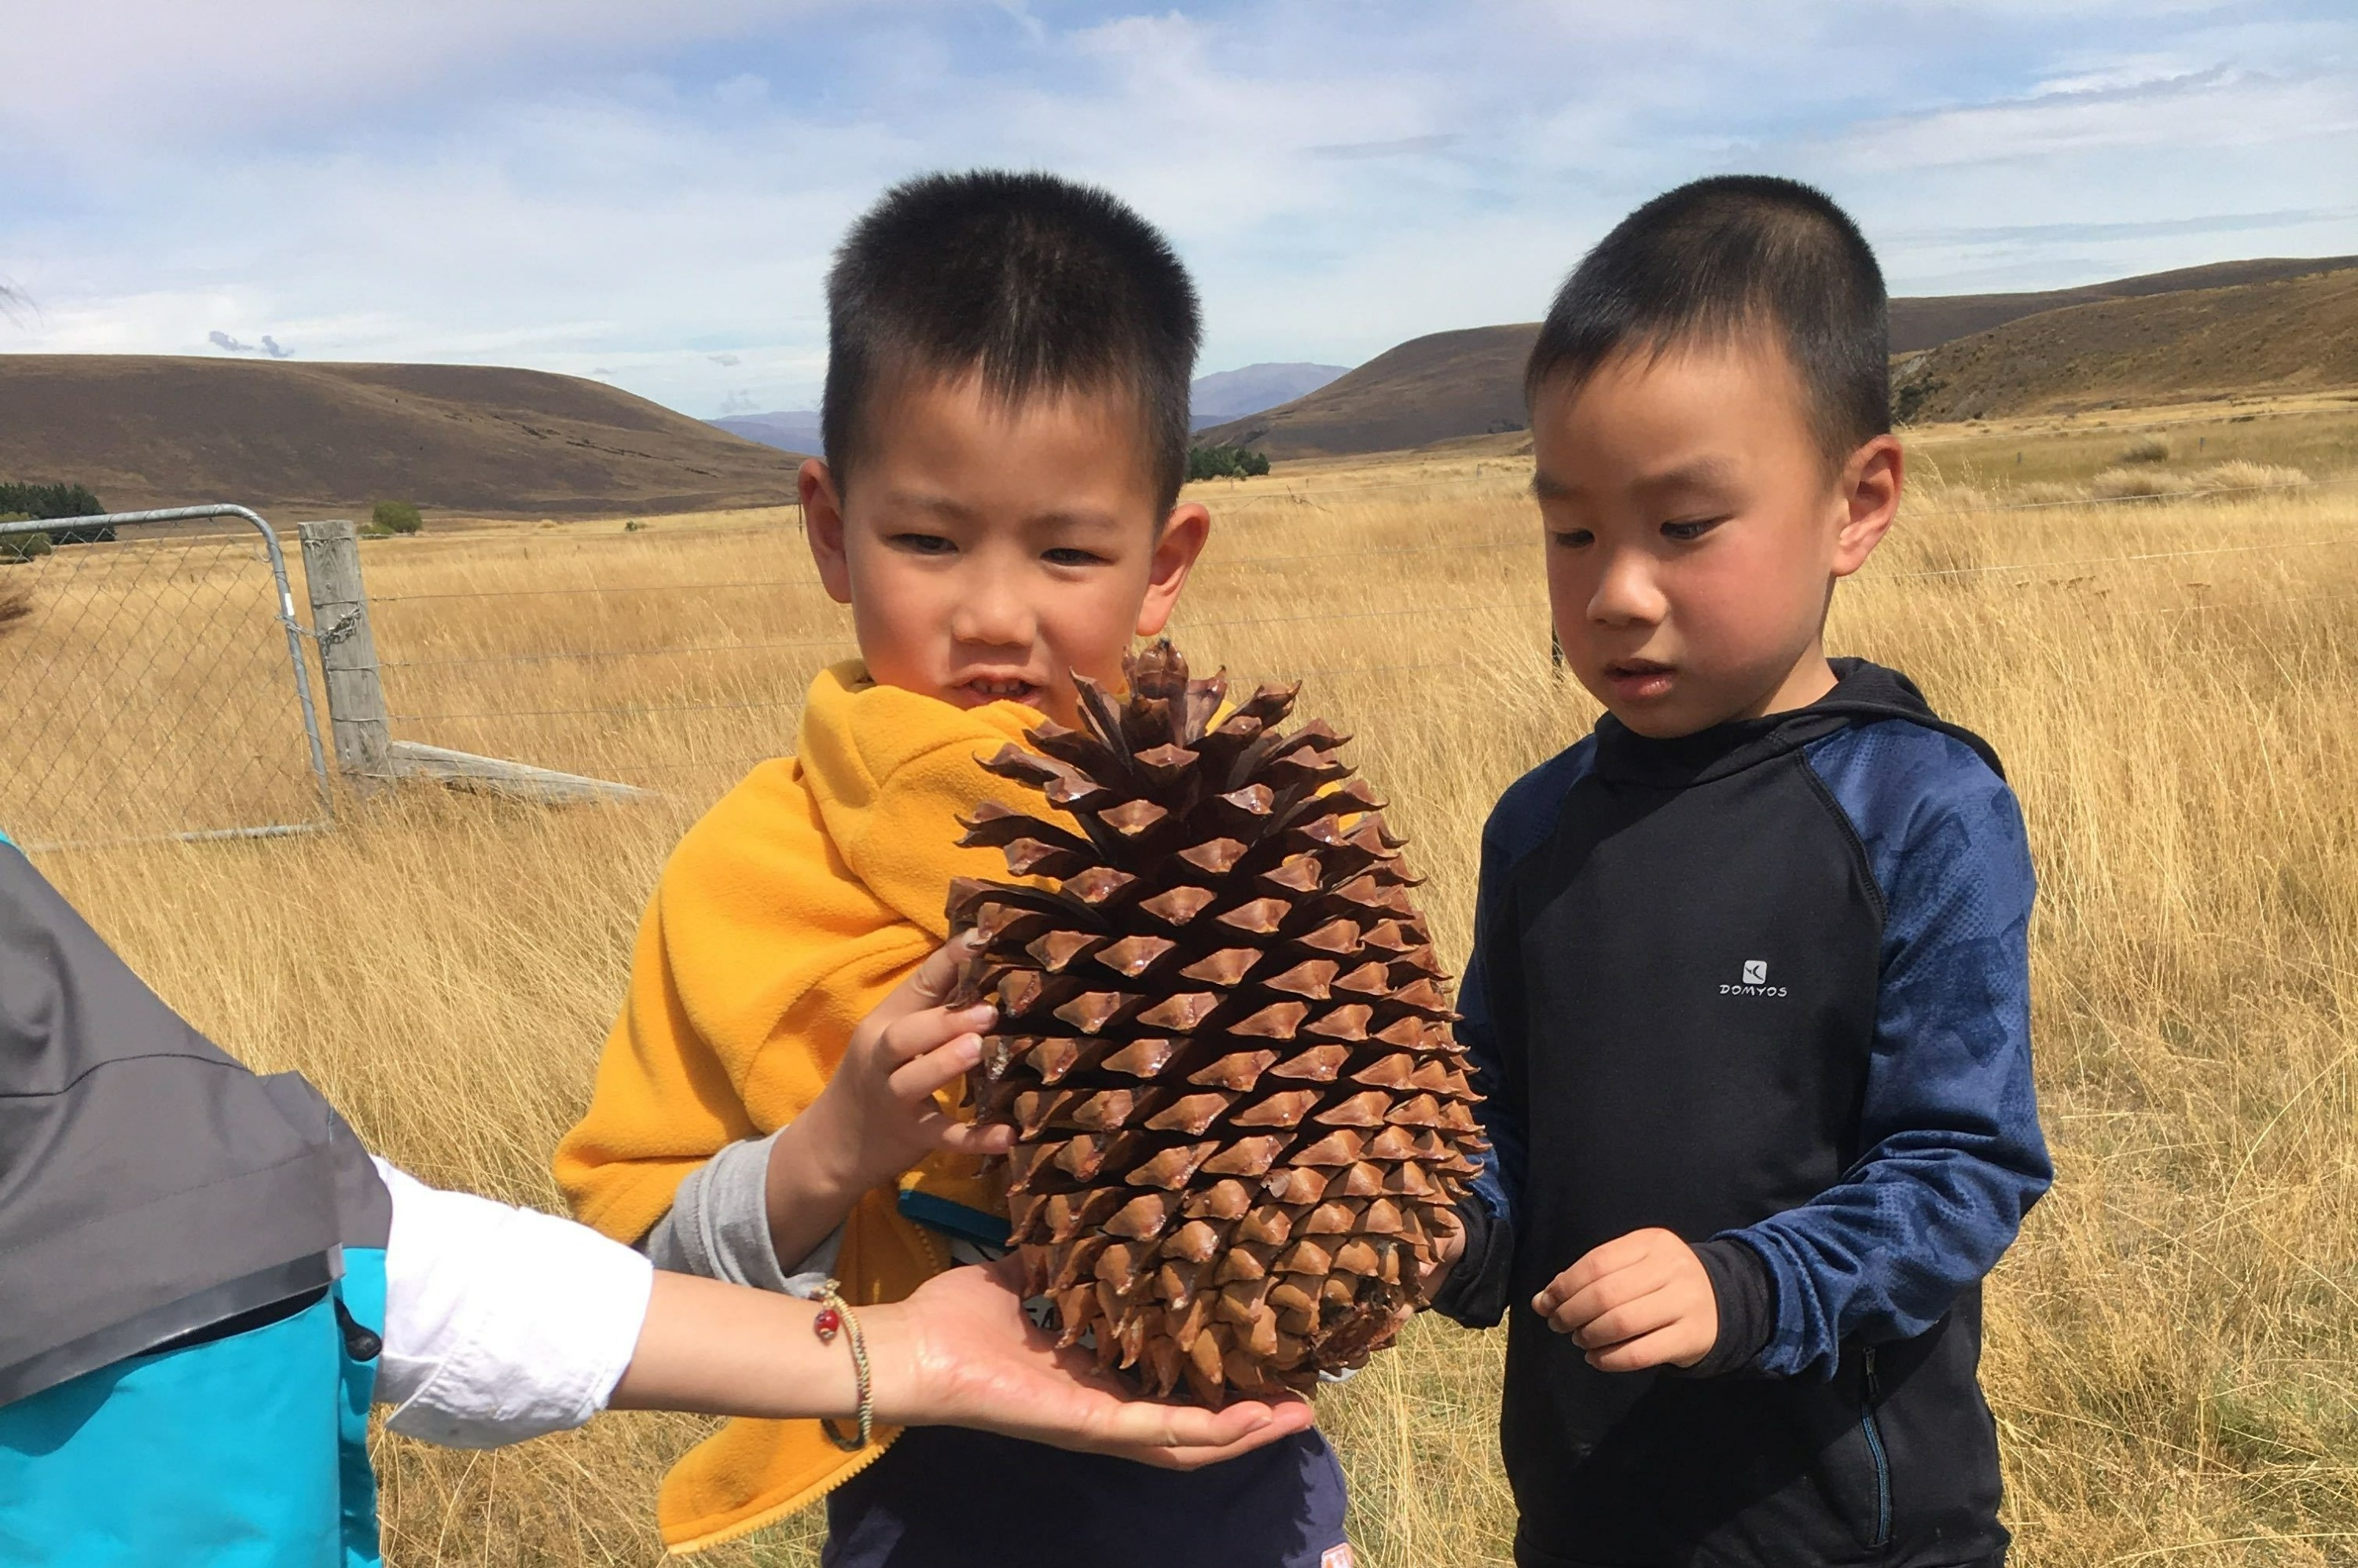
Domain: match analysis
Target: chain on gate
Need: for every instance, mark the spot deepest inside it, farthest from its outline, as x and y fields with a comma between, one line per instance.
x=157, y=687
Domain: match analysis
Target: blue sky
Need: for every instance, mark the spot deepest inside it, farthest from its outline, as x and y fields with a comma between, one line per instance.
x=648, y=193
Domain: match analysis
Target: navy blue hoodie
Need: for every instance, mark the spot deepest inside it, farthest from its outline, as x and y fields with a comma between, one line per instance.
x=1766, y=985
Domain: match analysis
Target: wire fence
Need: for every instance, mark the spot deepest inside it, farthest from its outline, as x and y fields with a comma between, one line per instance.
x=152, y=683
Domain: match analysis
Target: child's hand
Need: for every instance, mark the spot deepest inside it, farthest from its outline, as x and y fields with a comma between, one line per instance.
x=876, y=1116
x=1640, y=1301
x=880, y=1107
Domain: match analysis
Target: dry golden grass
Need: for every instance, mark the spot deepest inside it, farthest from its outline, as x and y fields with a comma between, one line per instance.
x=2173, y=1349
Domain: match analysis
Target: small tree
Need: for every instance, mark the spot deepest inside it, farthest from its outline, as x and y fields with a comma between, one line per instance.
x=396, y=517
x=1226, y=462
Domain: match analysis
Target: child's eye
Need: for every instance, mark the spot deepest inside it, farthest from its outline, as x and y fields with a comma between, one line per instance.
x=1071, y=555
x=1571, y=538
x=924, y=543
x=1687, y=533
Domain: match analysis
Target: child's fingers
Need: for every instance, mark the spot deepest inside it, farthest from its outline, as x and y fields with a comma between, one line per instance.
x=967, y=1138
x=1629, y=1320
x=1620, y=1288
x=1663, y=1348
x=920, y=1033
x=1600, y=1263
x=1593, y=1266
x=925, y=988
x=938, y=975
x=914, y=1082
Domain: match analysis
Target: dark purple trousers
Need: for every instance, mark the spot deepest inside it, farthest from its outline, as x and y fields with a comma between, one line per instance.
x=945, y=1498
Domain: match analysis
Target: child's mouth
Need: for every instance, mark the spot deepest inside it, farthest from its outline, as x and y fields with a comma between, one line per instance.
x=1636, y=680
x=986, y=689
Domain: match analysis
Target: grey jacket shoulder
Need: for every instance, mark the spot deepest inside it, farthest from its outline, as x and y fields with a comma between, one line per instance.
x=150, y=1185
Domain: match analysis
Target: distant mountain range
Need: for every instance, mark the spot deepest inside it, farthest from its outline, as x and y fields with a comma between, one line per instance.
x=795, y=432
x=1233, y=393
x=1986, y=352
x=1216, y=398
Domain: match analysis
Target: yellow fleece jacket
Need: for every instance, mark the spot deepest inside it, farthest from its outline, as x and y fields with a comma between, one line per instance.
x=784, y=916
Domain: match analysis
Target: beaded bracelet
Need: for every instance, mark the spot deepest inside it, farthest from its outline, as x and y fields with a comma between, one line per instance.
x=835, y=1315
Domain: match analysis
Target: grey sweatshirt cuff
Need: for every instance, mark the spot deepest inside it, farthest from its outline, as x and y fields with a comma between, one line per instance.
x=718, y=1227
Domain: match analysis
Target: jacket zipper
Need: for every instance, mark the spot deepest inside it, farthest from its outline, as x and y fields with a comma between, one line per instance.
x=1875, y=1450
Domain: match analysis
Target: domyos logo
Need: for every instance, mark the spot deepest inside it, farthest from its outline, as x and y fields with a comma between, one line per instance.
x=1754, y=983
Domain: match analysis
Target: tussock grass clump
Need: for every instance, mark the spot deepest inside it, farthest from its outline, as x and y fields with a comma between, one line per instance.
x=2137, y=484
x=2243, y=474
x=2147, y=450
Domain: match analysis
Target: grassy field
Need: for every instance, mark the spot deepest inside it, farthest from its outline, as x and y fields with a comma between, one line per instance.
x=2172, y=1347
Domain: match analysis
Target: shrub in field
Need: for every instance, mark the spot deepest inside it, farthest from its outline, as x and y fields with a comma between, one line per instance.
x=396, y=517
x=2147, y=450
x=14, y=607
x=1226, y=462
x=16, y=548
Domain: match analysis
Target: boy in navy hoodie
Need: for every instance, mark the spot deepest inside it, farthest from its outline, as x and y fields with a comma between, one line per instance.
x=1750, y=992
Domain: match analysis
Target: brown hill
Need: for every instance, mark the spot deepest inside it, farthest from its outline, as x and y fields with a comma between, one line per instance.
x=1433, y=388
x=2292, y=335
x=1452, y=385
x=146, y=430
x=1932, y=320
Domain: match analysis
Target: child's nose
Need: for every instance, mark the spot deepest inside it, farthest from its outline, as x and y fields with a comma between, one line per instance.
x=1626, y=592
x=991, y=613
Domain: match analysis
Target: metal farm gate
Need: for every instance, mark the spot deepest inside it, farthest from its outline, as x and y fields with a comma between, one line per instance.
x=153, y=685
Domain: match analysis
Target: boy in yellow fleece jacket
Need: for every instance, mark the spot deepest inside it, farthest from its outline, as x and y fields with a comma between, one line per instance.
x=1006, y=421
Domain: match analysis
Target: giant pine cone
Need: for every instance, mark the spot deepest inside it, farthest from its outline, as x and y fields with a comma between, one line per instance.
x=1223, y=1040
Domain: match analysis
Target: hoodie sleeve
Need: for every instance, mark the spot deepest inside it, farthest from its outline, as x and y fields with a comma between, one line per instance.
x=1953, y=1157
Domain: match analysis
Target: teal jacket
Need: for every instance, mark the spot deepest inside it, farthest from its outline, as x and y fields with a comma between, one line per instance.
x=194, y=1295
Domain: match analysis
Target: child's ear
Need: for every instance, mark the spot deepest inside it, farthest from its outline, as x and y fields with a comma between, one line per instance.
x=1870, y=500
x=823, y=526
x=1183, y=535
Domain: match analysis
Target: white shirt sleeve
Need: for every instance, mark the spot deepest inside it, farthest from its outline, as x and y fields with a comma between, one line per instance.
x=501, y=1324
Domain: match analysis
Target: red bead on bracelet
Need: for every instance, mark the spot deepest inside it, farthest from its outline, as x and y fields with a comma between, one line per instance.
x=827, y=1323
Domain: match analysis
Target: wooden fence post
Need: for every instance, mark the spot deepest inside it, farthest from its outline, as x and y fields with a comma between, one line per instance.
x=356, y=716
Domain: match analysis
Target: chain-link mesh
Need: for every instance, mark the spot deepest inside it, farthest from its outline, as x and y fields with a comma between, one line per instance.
x=148, y=686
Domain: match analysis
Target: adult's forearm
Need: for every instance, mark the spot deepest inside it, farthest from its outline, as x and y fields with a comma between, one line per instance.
x=718, y=1350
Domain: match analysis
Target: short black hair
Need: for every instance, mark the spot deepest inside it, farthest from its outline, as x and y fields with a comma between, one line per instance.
x=1721, y=257
x=1041, y=284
